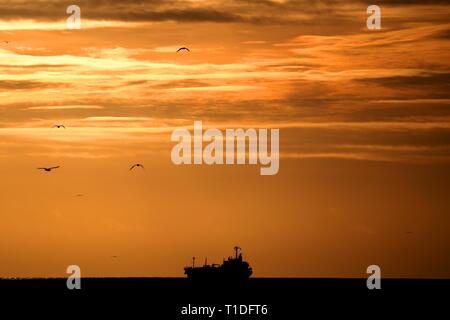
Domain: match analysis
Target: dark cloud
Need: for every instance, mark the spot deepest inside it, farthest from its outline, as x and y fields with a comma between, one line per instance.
x=182, y=15
x=244, y=11
x=49, y=12
x=445, y=34
x=432, y=80
x=133, y=13
x=27, y=85
x=247, y=11
x=35, y=66
x=408, y=2
x=182, y=84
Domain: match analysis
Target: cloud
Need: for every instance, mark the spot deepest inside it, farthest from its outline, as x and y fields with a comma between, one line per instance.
x=51, y=15
x=434, y=80
x=255, y=42
x=249, y=11
x=111, y=118
x=27, y=85
x=151, y=11
x=325, y=80
x=410, y=2
x=66, y=107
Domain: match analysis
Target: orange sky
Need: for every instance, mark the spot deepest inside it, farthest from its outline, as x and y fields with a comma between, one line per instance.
x=364, y=137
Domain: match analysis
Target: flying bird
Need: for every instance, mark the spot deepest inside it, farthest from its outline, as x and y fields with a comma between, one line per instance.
x=184, y=48
x=48, y=169
x=59, y=126
x=137, y=165
x=6, y=41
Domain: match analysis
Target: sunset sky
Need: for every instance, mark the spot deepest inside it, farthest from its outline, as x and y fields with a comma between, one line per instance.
x=364, y=119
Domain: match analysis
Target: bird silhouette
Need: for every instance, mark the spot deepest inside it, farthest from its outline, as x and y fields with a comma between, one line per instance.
x=137, y=165
x=183, y=48
x=6, y=41
x=48, y=169
x=59, y=126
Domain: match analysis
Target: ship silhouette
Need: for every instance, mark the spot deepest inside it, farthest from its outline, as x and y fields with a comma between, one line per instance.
x=232, y=269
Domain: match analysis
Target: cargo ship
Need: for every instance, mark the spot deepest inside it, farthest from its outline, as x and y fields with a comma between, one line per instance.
x=232, y=269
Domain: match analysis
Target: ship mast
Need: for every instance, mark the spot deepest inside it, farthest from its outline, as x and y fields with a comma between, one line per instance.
x=237, y=251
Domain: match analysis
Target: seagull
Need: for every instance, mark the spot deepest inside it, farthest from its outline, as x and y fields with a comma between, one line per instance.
x=48, y=169
x=137, y=165
x=7, y=42
x=59, y=126
x=184, y=48
x=80, y=195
